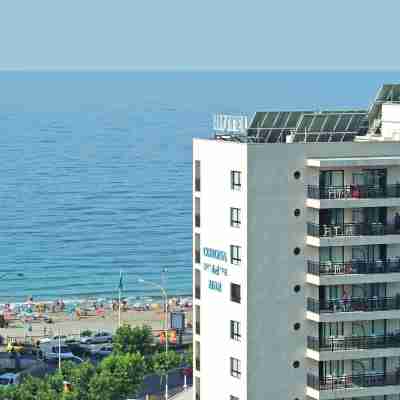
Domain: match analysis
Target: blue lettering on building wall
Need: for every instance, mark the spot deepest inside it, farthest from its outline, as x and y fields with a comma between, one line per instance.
x=213, y=253
x=215, y=285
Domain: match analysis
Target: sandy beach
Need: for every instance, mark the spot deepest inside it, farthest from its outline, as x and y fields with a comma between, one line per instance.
x=69, y=324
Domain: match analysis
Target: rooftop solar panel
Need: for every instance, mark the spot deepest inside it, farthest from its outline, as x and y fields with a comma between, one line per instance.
x=269, y=119
x=343, y=122
x=281, y=120
x=305, y=122
x=317, y=123
x=257, y=120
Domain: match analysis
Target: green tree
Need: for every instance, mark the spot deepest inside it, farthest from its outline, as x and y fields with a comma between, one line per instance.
x=34, y=389
x=79, y=376
x=132, y=340
x=119, y=376
x=163, y=362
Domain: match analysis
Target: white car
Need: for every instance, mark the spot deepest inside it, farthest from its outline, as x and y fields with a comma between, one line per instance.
x=52, y=351
x=99, y=337
x=10, y=379
x=102, y=351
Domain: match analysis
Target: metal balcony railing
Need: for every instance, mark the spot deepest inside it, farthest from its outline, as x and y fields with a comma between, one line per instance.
x=352, y=229
x=353, y=304
x=390, y=265
x=353, y=381
x=342, y=343
x=353, y=192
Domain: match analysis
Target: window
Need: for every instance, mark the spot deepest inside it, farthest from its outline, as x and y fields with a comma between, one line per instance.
x=197, y=386
x=235, y=217
x=235, y=292
x=197, y=248
x=235, y=330
x=197, y=317
x=197, y=176
x=235, y=368
x=197, y=284
x=197, y=358
x=236, y=180
x=197, y=212
x=235, y=255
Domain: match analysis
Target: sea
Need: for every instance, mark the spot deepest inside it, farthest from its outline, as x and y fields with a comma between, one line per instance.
x=96, y=169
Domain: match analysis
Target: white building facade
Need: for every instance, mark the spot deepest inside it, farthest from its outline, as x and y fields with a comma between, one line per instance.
x=296, y=257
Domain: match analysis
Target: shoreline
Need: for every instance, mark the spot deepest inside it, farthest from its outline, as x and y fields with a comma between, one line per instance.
x=131, y=300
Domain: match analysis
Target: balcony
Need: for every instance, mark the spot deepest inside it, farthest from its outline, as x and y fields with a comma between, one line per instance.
x=351, y=196
x=353, y=343
x=353, y=381
x=353, y=192
x=353, y=272
x=390, y=265
x=353, y=347
x=353, y=304
x=353, y=309
x=352, y=229
x=352, y=234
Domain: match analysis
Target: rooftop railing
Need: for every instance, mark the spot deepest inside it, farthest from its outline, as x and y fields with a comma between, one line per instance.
x=353, y=381
x=352, y=229
x=353, y=267
x=342, y=343
x=353, y=192
x=353, y=304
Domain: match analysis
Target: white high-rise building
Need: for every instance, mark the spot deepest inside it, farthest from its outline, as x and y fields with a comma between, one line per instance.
x=296, y=255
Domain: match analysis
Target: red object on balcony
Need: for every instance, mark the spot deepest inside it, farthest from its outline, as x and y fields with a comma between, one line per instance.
x=355, y=192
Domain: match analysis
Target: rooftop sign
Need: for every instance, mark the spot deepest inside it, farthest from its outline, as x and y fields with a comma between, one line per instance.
x=230, y=123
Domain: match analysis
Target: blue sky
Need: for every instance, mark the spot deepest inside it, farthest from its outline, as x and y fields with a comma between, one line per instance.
x=207, y=34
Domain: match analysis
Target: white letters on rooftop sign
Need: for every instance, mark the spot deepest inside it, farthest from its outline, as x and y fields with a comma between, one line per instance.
x=230, y=123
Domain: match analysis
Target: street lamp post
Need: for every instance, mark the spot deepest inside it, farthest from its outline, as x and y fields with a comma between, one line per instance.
x=164, y=293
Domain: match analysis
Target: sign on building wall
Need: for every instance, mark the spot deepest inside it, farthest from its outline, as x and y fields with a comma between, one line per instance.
x=216, y=268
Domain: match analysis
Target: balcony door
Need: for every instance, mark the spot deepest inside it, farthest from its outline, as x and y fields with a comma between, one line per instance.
x=369, y=328
x=331, y=178
x=369, y=253
x=331, y=216
x=331, y=368
x=333, y=254
x=369, y=366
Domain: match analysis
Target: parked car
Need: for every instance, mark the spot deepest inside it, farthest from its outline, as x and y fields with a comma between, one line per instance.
x=99, y=337
x=51, y=350
x=10, y=378
x=102, y=351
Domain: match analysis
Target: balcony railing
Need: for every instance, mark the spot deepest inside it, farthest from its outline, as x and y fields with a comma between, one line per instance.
x=390, y=265
x=341, y=343
x=353, y=304
x=352, y=229
x=353, y=192
x=353, y=381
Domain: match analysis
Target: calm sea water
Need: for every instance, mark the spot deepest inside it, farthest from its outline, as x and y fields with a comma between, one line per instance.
x=95, y=172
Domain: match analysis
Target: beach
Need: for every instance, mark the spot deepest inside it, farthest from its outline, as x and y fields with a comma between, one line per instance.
x=65, y=322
